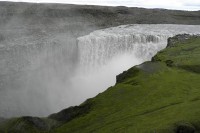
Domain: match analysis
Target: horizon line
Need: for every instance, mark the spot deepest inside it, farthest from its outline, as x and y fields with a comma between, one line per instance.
x=84, y=4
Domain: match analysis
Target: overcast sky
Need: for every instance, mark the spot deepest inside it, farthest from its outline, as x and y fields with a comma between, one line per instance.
x=168, y=4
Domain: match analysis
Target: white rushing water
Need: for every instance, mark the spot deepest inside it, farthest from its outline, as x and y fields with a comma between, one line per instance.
x=39, y=79
x=141, y=41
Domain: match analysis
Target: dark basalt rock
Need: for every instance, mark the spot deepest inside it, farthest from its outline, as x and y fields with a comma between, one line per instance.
x=126, y=74
x=36, y=122
x=72, y=112
x=169, y=63
x=185, y=128
x=181, y=38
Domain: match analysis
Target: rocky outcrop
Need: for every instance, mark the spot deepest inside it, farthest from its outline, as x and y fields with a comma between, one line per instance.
x=126, y=74
x=72, y=112
x=181, y=38
x=35, y=122
x=185, y=128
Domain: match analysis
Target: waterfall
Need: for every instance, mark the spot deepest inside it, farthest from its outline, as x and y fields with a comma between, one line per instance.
x=39, y=76
x=142, y=41
x=97, y=50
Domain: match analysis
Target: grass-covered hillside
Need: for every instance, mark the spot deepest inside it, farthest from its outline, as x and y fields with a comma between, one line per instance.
x=161, y=96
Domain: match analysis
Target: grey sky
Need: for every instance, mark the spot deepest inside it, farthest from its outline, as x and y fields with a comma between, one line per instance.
x=168, y=4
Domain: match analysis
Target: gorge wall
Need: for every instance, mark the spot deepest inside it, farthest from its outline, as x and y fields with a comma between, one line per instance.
x=65, y=75
x=49, y=59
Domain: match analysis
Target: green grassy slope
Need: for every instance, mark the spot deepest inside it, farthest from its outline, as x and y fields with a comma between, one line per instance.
x=156, y=96
x=161, y=96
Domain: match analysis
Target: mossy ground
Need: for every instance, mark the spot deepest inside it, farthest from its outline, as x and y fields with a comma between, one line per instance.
x=155, y=97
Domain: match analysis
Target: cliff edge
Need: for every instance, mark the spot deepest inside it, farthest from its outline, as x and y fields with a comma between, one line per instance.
x=158, y=96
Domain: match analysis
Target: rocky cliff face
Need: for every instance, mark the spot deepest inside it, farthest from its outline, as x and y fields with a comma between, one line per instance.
x=181, y=38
